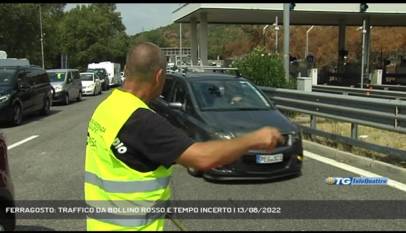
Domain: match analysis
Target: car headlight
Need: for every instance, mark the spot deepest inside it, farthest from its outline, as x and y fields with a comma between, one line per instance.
x=292, y=138
x=58, y=89
x=4, y=98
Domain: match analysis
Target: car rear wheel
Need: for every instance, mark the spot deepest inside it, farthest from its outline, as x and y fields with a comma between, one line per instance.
x=66, y=100
x=47, y=107
x=194, y=172
x=17, y=117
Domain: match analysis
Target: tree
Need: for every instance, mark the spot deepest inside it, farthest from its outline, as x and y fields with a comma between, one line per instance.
x=94, y=33
x=52, y=15
x=262, y=68
x=20, y=31
x=19, y=28
x=154, y=36
x=222, y=35
x=255, y=33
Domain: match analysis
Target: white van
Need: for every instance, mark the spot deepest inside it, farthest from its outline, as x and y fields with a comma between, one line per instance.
x=113, y=71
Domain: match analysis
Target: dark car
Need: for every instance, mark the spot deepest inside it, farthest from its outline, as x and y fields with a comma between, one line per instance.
x=66, y=84
x=24, y=89
x=222, y=106
x=103, y=76
x=7, y=219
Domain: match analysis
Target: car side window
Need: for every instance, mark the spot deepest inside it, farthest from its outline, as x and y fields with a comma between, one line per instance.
x=43, y=77
x=38, y=77
x=167, y=88
x=22, y=78
x=75, y=75
x=69, y=77
x=29, y=78
x=179, y=93
x=188, y=104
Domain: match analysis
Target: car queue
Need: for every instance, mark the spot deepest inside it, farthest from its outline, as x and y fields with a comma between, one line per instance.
x=26, y=89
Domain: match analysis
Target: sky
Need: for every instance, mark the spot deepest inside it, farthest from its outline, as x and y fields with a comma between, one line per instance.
x=138, y=17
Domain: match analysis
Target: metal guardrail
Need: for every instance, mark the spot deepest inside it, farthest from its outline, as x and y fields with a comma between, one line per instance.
x=377, y=113
x=390, y=87
x=395, y=75
x=365, y=92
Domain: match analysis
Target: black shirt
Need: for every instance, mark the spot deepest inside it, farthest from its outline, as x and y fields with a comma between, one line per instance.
x=148, y=140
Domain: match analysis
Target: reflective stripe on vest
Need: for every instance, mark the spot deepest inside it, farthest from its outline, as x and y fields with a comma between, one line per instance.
x=111, y=183
x=133, y=222
x=128, y=204
x=123, y=219
x=126, y=186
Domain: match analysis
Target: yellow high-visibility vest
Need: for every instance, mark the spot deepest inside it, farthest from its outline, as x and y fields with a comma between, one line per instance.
x=110, y=184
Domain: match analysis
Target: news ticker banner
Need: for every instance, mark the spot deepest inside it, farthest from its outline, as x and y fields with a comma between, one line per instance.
x=216, y=209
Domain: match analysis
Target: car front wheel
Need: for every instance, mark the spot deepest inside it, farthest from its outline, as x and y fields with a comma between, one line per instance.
x=66, y=100
x=79, y=96
x=17, y=117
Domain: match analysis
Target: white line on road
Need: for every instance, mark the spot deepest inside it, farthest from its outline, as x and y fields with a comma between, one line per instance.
x=22, y=142
x=393, y=183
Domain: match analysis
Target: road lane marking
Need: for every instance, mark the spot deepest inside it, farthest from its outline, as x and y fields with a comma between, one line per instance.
x=22, y=142
x=393, y=183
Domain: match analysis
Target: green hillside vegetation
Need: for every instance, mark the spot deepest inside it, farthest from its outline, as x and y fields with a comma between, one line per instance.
x=231, y=41
x=222, y=39
x=95, y=32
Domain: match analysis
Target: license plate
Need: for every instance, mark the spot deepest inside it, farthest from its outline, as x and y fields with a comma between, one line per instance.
x=276, y=158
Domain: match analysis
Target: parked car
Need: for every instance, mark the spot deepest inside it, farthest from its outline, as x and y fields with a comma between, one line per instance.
x=24, y=89
x=7, y=220
x=66, y=84
x=91, y=85
x=103, y=76
x=222, y=106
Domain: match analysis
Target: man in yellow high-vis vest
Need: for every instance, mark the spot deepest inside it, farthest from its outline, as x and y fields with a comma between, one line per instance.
x=130, y=148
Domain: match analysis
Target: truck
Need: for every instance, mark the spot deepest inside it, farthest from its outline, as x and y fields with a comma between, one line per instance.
x=113, y=71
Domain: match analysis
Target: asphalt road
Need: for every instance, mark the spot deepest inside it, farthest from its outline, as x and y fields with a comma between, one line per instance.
x=51, y=167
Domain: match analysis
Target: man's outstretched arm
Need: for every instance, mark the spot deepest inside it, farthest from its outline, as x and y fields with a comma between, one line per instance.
x=206, y=155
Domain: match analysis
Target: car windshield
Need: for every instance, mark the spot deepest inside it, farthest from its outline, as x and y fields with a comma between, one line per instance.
x=97, y=71
x=86, y=77
x=228, y=95
x=7, y=76
x=56, y=76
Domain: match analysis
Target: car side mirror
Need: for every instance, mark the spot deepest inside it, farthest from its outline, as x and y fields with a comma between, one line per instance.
x=175, y=105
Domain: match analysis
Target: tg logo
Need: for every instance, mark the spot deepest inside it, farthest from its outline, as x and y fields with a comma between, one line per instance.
x=339, y=180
